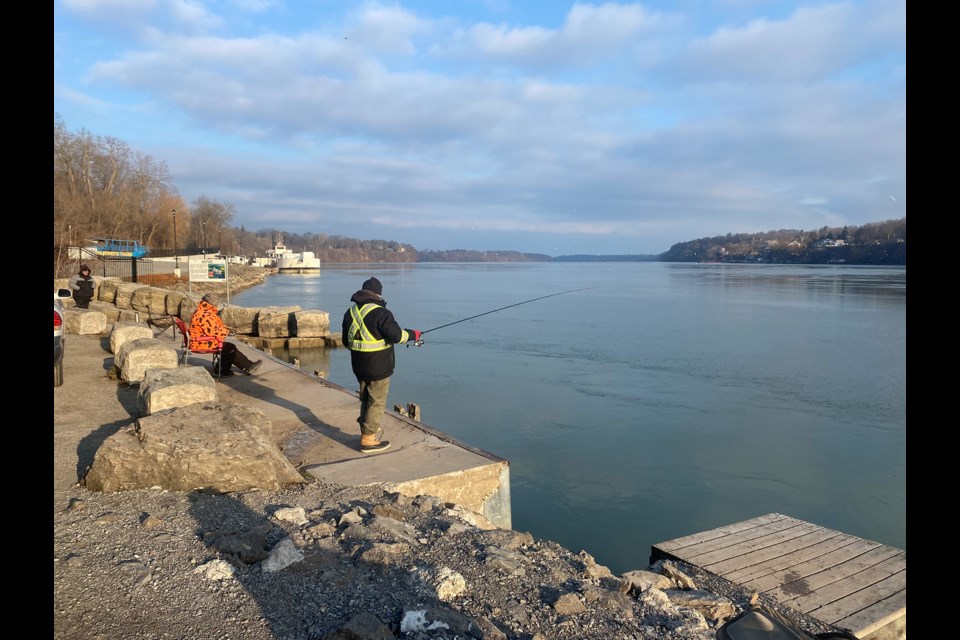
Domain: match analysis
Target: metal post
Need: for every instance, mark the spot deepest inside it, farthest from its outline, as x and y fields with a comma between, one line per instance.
x=176, y=254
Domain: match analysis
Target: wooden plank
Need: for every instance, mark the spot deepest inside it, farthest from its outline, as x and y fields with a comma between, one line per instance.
x=672, y=546
x=854, y=584
x=841, y=579
x=773, y=545
x=876, y=615
x=857, y=601
x=738, y=548
x=836, y=580
x=717, y=549
x=822, y=542
x=812, y=566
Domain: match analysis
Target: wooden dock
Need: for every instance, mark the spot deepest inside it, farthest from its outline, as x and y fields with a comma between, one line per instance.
x=845, y=581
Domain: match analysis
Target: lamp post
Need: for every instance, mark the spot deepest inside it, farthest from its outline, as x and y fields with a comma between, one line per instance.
x=219, y=242
x=203, y=238
x=176, y=254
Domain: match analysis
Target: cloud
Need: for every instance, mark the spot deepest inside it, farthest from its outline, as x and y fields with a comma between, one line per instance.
x=613, y=125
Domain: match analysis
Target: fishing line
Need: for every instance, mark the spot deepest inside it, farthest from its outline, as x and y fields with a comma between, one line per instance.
x=485, y=313
x=516, y=304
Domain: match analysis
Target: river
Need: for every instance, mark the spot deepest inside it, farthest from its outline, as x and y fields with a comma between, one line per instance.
x=640, y=402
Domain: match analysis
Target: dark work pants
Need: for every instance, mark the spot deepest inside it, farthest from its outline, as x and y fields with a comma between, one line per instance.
x=231, y=356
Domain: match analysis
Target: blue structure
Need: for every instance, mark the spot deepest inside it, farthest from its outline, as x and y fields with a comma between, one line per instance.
x=113, y=248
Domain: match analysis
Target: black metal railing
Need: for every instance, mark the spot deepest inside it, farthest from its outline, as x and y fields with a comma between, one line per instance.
x=127, y=269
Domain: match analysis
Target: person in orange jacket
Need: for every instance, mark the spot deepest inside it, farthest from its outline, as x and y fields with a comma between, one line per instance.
x=206, y=321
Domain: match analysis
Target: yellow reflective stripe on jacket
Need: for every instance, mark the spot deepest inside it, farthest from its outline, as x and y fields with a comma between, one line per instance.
x=360, y=338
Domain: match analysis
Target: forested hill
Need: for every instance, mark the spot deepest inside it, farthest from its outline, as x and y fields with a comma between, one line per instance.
x=873, y=243
x=608, y=258
x=465, y=255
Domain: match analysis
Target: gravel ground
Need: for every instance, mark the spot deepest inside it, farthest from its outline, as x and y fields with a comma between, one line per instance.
x=159, y=564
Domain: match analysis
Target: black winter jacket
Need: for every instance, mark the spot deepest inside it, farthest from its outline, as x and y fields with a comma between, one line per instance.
x=376, y=365
x=82, y=288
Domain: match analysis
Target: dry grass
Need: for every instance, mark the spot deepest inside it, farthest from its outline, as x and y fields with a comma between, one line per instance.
x=162, y=280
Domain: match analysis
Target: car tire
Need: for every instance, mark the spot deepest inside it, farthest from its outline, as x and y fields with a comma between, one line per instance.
x=58, y=374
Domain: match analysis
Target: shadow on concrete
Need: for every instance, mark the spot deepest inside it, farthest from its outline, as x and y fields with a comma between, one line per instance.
x=127, y=397
x=307, y=416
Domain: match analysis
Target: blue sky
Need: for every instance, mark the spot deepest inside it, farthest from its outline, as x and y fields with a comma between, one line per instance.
x=548, y=127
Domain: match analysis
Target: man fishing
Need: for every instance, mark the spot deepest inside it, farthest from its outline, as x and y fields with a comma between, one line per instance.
x=369, y=332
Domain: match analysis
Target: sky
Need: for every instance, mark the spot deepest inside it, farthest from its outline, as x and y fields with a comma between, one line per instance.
x=527, y=125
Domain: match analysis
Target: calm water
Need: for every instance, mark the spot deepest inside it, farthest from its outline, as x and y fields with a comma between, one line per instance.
x=664, y=400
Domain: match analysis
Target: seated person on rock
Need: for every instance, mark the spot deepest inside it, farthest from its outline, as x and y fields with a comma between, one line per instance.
x=206, y=321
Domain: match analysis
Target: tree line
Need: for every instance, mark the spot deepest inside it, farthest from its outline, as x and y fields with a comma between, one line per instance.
x=104, y=189
x=873, y=243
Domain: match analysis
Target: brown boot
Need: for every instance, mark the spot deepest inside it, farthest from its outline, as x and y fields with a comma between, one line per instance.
x=372, y=443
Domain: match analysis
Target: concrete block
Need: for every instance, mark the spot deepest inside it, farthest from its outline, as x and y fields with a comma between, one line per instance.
x=135, y=357
x=125, y=291
x=310, y=323
x=167, y=388
x=275, y=322
x=306, y=343
x=150, y=301
x=125, y=331
x=240, y=319
x=84, y=322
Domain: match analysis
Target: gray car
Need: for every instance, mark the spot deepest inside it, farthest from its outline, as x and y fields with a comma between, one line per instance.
x=58, y=339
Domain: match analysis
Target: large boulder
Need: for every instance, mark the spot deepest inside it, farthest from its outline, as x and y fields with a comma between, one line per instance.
x=125, y=331
x=107, y=290
x=215, y=447
x=109, y=310
x=310, y=323
x=134, y=357
x=150, y=301
x=124, y=296
x=163, y=389
x=274, y=322
x=84, y=322
x=239, y=319
x=173, y=301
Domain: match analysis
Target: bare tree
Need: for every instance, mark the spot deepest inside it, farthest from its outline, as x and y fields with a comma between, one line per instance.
x=210, y=218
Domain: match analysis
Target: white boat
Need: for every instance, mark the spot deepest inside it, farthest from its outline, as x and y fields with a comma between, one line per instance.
x=303, y=262
x=287, y=261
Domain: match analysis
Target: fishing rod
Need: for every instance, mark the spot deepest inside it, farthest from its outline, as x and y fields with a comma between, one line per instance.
x=449, y=324
x=516, y=304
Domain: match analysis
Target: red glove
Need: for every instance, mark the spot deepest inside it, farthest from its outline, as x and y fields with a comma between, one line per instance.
x=414, y=333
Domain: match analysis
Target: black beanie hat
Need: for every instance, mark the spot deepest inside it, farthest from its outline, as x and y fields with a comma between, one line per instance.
x=373, y=285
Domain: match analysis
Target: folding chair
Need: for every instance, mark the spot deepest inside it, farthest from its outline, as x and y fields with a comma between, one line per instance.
x=208, y=345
